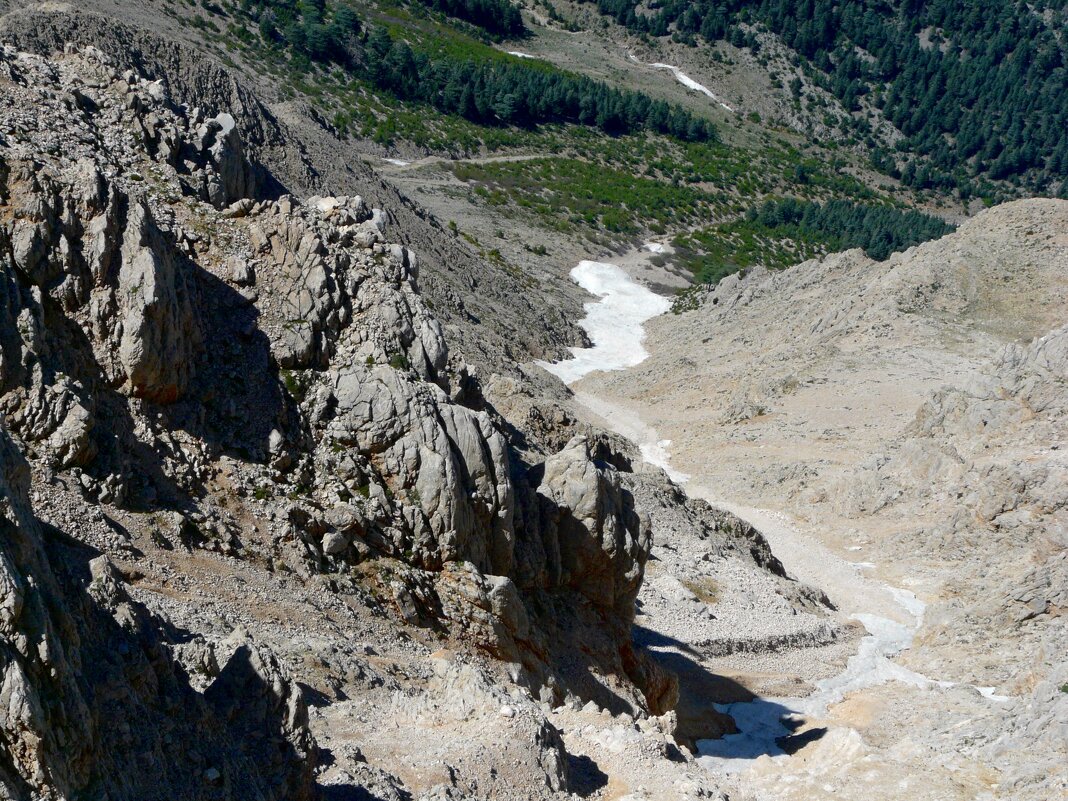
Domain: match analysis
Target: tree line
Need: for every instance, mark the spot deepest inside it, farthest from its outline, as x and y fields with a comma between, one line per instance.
x=977, y=87
x=308, y=27
x=497, y=91
x=787, y=231
x=513, y=93
x=841, y=224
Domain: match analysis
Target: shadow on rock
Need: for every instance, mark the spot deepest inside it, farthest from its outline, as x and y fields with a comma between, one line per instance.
x=585, y=777
x=235, y=399
x=106, y=709
x=352, y=792
x=757, y=727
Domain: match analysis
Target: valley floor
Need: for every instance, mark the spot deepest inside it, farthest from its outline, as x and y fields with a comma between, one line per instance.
x=789, y=431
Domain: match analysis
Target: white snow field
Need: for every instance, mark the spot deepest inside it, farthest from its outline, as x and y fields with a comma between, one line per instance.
x=614, y=323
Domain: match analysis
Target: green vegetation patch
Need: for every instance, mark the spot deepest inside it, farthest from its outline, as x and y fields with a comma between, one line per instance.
x=783, y=232
x=634, y=185
x=433, y=65
x=564, y=193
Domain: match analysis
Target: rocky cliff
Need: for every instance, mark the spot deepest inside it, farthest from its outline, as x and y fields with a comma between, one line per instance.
x=264, y=535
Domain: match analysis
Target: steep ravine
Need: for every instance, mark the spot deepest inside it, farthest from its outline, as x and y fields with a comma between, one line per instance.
x=772, y=732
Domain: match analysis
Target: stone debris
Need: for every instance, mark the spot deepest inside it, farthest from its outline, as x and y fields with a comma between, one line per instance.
x=910, y=413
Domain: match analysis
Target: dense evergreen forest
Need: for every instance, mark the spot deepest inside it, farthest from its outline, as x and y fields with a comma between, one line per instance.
x=979, y=88
x=498, y=17
x=498, y=91
x=782, y=232
x=840, y=224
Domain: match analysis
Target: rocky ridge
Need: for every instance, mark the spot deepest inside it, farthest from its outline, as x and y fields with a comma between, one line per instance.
x=280, y=536
x=494, y=316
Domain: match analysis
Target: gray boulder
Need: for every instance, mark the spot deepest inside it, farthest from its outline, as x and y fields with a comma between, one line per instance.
x=603, y=541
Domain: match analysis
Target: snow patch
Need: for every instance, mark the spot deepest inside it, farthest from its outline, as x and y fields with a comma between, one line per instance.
x=655, y=452
x=518, y=54
x=624, y=422
x=614, y=323
x=397, y=162
x=988, y=692
x=690, y=83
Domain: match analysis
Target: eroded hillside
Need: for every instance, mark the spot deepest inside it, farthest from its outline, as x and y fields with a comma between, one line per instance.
x=290, y=511
x=909, y=415
x=265, y=536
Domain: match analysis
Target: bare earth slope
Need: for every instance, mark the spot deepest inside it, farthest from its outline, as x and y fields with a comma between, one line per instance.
x=909, y=414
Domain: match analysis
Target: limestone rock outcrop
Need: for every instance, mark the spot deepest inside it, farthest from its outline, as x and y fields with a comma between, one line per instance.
x=190, y=365
x=602, y=540
x=159, y=328
x=94, y=698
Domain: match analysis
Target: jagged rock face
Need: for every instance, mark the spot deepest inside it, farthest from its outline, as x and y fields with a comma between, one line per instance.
x=94, y=698
x=258, y=377
x=602, y=541
x=141, y=336
x=159, y=328
x=227, y=174
x=77, y=240
x=421, y=478
x=44, y=706
x=323, y=291
x=502, y=322
x=398, y=468
x=450, y=460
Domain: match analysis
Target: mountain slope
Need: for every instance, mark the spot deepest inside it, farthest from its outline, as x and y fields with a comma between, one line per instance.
x=301, y=156
x=908, y=414
x=970, y=89
x=289, y=512
x=264, y=537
